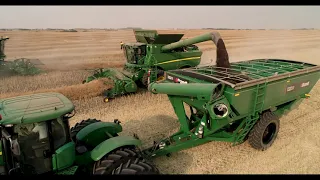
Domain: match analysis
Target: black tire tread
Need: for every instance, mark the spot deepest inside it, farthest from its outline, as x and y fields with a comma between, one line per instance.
x=80, y=125
x=256, y=133
x=124, y=161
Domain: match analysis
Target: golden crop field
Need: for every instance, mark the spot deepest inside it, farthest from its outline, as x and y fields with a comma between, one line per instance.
x=66, y=55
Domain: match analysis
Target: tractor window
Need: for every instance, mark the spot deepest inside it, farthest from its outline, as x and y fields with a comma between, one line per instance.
x=34, y=146
x=59, y=131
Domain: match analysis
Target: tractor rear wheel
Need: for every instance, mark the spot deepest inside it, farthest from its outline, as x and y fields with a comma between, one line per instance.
x=77, y=127
x=123, y=161
x=264, y=132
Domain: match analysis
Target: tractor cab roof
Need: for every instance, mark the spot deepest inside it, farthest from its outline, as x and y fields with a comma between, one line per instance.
x=34, y=108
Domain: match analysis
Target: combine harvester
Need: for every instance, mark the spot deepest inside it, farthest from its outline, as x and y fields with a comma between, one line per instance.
x=20, y=66
x=158, y=52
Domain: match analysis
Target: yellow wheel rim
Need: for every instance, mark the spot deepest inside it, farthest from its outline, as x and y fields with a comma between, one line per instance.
x=106, y=99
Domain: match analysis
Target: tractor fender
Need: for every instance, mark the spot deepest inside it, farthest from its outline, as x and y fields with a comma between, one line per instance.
x=96, y=133
x=111, y=144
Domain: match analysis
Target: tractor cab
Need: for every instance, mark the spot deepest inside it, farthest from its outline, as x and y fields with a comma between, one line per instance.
x=35, y=134
x=134, y=52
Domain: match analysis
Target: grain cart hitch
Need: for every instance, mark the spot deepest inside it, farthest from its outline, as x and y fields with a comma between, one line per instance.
x=244, y=101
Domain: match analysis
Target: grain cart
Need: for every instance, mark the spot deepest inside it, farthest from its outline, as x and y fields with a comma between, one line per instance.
x=159, y=52
x=20, y=66
x=244, y=101
x=36, y=139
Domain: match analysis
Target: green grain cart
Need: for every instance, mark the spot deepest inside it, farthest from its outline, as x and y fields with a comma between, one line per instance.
x=159, y=52
x=36, y=139
x=242, y=101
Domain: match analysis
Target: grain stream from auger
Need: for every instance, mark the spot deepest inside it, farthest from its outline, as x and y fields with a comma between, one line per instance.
x=152, y=116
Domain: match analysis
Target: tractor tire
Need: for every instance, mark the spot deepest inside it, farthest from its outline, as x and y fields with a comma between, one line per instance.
x=264, y=132
x=77, y=127
x=123, y=161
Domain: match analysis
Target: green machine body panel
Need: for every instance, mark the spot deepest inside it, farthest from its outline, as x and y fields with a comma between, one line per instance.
x=111, y=144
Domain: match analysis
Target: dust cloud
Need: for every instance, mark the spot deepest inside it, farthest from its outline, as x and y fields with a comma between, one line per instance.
x=73, y=92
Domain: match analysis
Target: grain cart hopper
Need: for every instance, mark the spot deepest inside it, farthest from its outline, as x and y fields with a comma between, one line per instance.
x=159, y=52
x=20, y=66
x=244, y=101
x=36, y=139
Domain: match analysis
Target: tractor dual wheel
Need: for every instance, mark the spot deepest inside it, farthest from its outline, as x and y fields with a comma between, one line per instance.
x=78, y=126
x=123, y=161
x=265, y=131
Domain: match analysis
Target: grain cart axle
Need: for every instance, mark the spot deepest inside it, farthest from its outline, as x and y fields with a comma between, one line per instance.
x=36, y=139
x=158, y=52
x=244, y=101
x=20, y=66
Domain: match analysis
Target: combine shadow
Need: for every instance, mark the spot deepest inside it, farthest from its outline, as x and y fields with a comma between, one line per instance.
x=154, y=129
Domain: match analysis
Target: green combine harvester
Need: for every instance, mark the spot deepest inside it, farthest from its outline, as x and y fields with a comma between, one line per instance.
x=36, y=139
x=238, y=102
x=21, y=66
x=158, y=52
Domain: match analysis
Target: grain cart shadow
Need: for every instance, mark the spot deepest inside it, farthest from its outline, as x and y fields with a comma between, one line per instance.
x=156, y=128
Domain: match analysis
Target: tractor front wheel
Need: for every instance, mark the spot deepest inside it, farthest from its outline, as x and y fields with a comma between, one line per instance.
x=264, y=132
x=76, y=128
x=123, y=161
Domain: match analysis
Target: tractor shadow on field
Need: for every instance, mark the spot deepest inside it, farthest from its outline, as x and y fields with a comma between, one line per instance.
x=156, y=128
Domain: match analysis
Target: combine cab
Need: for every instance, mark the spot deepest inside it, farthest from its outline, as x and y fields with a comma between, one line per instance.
x=154, y=53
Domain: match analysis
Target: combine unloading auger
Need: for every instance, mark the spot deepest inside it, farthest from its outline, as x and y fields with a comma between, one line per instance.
x=154, y=53
x=222, y=54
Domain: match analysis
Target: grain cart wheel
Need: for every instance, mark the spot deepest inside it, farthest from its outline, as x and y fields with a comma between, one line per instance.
x=264, y=132
x=76, y=128
x=123, y=161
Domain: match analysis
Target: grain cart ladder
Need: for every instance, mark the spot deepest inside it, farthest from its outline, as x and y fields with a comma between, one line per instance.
x=250, y=121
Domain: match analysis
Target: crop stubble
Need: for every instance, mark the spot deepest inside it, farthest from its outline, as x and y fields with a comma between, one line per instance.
x=67, y=54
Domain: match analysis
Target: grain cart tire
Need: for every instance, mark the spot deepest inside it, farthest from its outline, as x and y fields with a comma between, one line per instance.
x=77, y=127
x=264, y=132
x=123, y=161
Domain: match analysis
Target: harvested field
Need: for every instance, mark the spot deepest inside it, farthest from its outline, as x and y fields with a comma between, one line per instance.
x=67, y=54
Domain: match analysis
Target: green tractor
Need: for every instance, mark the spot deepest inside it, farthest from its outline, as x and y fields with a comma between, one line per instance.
x=21, y=66
x=36, y=139
x=158, y=52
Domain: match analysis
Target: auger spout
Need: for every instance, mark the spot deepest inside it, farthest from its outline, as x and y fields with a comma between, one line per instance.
x=222, y=54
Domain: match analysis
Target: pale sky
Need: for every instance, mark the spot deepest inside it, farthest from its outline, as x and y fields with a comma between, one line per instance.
x=247, y=17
